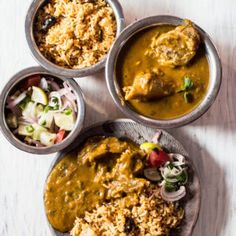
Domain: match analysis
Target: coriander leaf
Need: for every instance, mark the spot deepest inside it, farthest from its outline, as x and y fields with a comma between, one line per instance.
x=171, y=166
x=188, y=83
x=68, y=111
x=55, y=100
x=182, y=177
x=47, y=108
x=44, y=123
x=170, y=187
x=30, y=128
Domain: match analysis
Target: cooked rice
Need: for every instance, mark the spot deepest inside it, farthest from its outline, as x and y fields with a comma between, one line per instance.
x=82, y=35
x=152, y=216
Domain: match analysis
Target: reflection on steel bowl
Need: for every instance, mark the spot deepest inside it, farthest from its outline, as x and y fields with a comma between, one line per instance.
x=167, y=71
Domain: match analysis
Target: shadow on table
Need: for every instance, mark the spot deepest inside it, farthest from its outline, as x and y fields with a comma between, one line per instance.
x=214, y=192
x=222, y=114
x=99, y=103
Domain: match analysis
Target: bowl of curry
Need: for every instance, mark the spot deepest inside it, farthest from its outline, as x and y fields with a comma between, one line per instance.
x=163, y=71
x=109, y=183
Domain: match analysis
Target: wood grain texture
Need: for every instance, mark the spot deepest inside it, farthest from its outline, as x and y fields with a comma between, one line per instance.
x=211, y=139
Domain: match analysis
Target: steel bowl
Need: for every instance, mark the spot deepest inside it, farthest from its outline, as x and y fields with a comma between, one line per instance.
x=115, y=90
x=53, y=68
x=13, y=82
x=125, y=128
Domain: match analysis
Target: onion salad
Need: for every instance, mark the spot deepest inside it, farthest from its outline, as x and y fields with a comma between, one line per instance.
x=167, y=170
x=42, y=111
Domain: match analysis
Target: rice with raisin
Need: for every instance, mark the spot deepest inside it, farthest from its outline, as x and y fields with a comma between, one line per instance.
x=81, y=35
x=149, y=215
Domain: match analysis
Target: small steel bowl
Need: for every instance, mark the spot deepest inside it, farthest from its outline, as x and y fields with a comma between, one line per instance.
x=53, y=68
x=13, y=82
x=116, y=93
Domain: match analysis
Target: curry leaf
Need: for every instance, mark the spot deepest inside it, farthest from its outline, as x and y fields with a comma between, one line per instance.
x=188, y=83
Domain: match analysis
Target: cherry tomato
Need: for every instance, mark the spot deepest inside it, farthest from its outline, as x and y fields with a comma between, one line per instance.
x=33, y=80
x=60, y=136
x=158, y=158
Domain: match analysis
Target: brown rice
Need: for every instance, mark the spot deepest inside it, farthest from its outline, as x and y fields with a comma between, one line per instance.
x=150, y=215
x=83, y=32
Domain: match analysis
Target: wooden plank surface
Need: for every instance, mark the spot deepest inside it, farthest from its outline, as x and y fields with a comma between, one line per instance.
x=211, y=139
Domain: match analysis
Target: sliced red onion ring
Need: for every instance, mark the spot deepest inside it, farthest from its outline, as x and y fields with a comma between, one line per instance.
x=173, y=196
x=17, y=100
x=27, y=120
x=152, y=174
x=57, y=95
x=70, y=92
x=16, y=111
x=54, y=85
x=171, y=174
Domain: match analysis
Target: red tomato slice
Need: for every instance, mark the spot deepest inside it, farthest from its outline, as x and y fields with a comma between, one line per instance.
x=158, y=158
x=33, y=80
x=60, y=136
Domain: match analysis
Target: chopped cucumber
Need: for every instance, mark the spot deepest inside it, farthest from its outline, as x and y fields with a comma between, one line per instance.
x=39, y=110
x=25, y=130
x=39, y=96
x=64, y=121
x=37, y=131
x=47, y=138
x=12, y=121
x=46, y=119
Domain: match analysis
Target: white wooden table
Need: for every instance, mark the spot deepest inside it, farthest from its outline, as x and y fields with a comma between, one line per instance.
x=211, y=139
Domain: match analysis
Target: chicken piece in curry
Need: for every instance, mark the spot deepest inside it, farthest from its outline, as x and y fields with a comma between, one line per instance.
x=149, y=86
x=104, y=169
x=163, y=71
x=176, y=47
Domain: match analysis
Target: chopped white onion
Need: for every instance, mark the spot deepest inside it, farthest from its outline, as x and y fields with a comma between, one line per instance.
x=44, y=84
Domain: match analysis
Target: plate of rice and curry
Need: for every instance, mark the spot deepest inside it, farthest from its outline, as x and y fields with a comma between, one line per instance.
x=122, y=178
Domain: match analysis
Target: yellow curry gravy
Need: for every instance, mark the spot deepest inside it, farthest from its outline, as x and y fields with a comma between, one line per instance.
x=103, y=169
x=133, y=61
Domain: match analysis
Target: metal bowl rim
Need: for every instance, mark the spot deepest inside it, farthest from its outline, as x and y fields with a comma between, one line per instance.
x=131, y=30
x=53, y=68
x=60, y=155
x=21, y=75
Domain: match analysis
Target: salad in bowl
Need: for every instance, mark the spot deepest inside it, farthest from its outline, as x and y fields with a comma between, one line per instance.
x=42, y=111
